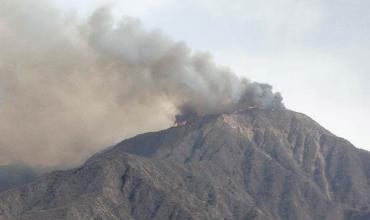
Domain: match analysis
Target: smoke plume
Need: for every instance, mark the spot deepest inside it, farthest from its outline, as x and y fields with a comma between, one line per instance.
x=70, y=87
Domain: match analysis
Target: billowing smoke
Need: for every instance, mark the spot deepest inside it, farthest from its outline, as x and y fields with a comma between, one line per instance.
x=70, y=87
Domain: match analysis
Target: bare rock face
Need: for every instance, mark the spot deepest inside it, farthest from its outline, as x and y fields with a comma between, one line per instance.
x=254, y=164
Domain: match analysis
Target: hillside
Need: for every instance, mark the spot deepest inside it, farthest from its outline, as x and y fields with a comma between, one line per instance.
x=251, y=164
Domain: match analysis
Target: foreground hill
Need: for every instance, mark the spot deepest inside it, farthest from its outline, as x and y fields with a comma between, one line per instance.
x=253, y=164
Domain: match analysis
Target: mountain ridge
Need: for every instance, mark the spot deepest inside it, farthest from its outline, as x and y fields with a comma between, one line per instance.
x=250, y=164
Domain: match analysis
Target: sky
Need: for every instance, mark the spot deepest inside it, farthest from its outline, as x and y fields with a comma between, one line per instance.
x=75, y=82
x=77, y=76
x=314, y=52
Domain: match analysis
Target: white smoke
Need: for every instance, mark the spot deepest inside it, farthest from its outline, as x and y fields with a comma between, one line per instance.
x=70, y=87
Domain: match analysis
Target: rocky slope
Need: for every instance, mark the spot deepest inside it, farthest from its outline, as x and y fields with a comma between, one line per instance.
x=252, y=164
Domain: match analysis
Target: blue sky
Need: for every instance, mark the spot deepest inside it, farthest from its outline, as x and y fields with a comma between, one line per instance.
x=314, y=52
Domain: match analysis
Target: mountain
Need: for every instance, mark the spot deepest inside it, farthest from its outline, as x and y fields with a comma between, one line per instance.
x=15, y=175
x=252, y=164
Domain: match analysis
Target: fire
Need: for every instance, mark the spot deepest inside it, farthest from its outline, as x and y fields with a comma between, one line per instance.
x=244, y=109
x=180, y=123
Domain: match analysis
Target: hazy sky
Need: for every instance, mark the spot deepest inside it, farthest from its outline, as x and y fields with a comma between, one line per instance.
x=314, y=52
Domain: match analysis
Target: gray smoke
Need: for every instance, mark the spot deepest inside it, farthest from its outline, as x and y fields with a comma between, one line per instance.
x=69, y=87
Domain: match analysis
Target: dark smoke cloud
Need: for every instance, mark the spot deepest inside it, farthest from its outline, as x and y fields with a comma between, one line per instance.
x=70, y=87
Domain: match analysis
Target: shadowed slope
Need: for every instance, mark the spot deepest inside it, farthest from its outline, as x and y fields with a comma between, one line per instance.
x=15, y=175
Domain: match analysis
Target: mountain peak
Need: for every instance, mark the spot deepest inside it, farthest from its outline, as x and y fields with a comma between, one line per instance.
x=249, y=164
